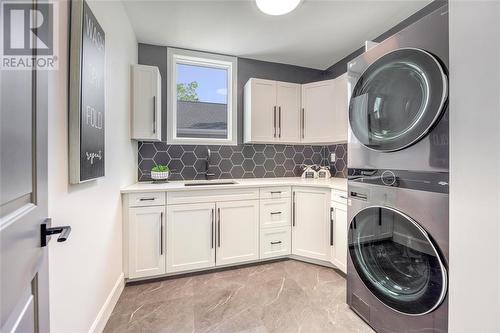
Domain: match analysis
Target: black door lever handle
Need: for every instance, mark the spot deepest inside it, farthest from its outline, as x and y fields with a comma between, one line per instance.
x=45, y=232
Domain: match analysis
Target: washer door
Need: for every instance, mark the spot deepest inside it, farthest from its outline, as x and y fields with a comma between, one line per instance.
x=397, y=100
x=397, y=261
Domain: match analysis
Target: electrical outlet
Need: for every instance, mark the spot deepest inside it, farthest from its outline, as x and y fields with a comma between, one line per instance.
x=332, y=157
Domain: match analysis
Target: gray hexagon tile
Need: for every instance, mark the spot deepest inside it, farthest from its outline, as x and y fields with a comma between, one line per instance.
x=247, y=161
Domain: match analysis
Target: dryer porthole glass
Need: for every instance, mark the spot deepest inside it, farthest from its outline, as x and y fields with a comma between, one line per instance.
x=397, y=261
x=397, y=100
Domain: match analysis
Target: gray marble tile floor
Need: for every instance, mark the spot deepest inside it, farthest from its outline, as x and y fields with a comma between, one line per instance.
x=284, y=296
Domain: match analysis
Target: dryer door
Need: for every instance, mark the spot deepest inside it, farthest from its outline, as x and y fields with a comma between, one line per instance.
x=397, y=100
x=397, y=261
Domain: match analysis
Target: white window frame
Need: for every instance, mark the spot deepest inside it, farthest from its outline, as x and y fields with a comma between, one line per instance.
x=181, y=56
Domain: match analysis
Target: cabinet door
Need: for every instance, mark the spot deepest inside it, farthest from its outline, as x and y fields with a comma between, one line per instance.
x=260, y=111
x=288, y=101
x=311, y=223
x=146, y=241
x=340, y=97
x=318, y=112
x=190, y=237
x=339, y=236
x=237, y=231
x=146, y=106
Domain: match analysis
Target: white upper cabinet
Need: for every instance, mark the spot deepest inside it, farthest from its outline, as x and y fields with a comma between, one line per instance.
x=146, y=103
x=288, y=113
x=318, y=112
x=341, y=109
x=260, y=111
x=271, y=111
x=282, y=112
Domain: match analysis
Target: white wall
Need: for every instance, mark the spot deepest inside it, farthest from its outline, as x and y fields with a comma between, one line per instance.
x=84, y=270
x=474, y=294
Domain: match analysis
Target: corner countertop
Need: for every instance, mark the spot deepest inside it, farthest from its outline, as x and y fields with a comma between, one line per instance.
x=332, y=183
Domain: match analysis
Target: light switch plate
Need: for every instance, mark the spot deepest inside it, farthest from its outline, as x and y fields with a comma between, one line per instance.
x=332, y=157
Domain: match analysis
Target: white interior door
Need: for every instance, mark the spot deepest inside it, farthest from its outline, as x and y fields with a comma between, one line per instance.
x=24, y=300
x=237, y=231
x=146, y=241
x=288, y=101
x=263, y=111
x=311, y=223
x=318, y=112
x=190, y=237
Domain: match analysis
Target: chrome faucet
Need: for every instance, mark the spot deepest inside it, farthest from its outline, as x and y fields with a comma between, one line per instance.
x=207, y=165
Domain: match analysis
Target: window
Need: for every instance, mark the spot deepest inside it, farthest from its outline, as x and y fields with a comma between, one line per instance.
x=201, y=98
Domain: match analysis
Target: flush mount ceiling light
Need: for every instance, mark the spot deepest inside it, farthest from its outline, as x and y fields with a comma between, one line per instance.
x=277, y=7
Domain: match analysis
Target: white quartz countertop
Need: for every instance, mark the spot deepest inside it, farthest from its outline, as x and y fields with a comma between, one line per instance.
x=332, y=183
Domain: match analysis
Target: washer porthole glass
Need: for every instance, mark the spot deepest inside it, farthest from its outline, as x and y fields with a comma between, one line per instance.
x=398, y=99
x=397, y=261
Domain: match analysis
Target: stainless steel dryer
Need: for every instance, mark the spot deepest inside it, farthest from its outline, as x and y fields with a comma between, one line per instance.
x=398, y=250
x=398, y=110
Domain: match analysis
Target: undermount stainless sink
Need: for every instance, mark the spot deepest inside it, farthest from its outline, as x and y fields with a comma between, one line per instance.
x=211, y=182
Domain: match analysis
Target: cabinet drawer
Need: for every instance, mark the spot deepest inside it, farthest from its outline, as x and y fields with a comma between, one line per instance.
x=275, y=242
x=146, y=199
x=195, y=196
x=275, y=192
x=275, y=213
x=339, y=196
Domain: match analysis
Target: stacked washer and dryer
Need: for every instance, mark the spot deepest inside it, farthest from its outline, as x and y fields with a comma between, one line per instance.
x=398, y=180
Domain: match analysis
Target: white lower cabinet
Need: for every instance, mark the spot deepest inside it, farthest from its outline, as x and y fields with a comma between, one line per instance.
x=237, y=231
x=193, y=230
x=311, y=223
x=190, y=237
x=275, y=242
x=338, y=231
x=146, y=241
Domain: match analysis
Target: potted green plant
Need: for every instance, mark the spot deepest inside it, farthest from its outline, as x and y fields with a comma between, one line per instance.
x=160, y=172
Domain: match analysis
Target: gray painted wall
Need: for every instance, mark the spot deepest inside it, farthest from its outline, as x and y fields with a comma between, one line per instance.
x=340, y=67
x=157, y=56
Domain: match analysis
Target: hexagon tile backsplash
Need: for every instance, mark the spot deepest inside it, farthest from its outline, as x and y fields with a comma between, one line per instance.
x=242, y=161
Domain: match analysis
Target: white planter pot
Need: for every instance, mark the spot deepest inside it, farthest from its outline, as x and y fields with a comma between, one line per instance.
x=155, y=175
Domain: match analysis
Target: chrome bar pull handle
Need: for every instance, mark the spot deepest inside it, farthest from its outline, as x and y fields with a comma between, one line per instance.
x=161, y=233
x=303, y=123
x=218, y=227
x=274, y=120
x=154, y=114
x=279, y=121
x=331, y=226
x=212, y=232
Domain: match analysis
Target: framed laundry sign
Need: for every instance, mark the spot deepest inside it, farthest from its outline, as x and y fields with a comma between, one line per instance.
x=86, y=95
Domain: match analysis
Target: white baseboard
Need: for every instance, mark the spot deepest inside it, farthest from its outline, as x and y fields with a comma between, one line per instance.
x=108, y=306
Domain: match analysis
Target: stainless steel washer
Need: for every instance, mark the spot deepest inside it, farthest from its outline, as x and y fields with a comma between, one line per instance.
x=398, y=110
x=397, y=276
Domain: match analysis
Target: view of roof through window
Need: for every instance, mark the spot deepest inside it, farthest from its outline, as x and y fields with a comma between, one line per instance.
x=201, y=101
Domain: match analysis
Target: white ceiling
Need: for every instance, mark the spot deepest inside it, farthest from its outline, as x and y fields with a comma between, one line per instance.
x=316, y=35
